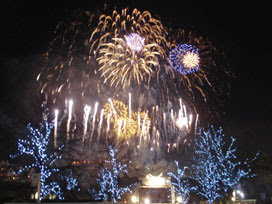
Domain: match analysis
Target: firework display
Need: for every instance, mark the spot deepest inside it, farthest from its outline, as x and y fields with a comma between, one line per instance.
x=173, y=76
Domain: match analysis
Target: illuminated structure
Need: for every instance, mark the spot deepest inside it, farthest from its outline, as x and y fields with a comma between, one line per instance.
x=154, y=189
x=237, y=195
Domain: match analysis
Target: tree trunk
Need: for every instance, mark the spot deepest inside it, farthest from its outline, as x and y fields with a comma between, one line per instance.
x=39, y=189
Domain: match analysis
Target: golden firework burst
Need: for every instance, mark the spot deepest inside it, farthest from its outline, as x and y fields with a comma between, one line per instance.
x=127, y=46
x=117, y=25
x=120, y=64
x=124, y=126
x=190, y=60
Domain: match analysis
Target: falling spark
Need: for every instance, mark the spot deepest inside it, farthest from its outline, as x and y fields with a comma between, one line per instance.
x=38, y=77
x=94, y=118
x=129, y=105
x=100, y=123
x=144, y=124
x=87, y=110
x=139, y=122
x=70, y=108
x=108, y=122
x=114, y=112
x=56, y=128
x=196, y=121
x=119, y=128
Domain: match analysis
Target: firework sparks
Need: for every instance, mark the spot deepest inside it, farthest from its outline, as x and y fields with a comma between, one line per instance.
x=66, y=71
x=70, y=109
x=127, y=47
x=156, y=129
x=143, y=28
x=93, y=122
x=120, y=64
x=87, y=110
x=135, y=42
x=123, y=125
x=56, y=127
x=129, y=105
x=184, y=58
x=196, y=70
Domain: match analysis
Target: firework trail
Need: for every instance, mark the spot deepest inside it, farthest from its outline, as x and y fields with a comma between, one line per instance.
x=69, y=70
x=154, y=129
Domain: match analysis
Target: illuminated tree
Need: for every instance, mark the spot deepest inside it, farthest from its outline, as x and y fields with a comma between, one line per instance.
x=71, y=181
x=37, y=147
x=181, y=183
x=217, y=168
x=108, y=179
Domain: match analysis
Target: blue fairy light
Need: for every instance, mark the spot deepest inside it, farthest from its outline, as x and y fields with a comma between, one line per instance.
x=108, y=180
x=181, y=183
x=36, y=146
x=217, y=168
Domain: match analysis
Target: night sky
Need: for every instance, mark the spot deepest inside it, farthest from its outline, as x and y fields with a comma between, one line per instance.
x=242, y=31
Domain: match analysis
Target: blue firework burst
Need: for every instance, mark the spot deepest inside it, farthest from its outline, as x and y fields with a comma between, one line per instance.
x=184, y=58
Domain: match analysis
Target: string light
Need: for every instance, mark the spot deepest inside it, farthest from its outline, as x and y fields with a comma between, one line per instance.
x=217, y=168
x=181, y=184
x=36, y=146
x=108, y=180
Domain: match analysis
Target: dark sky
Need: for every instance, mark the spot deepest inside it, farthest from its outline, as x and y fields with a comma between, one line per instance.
x=241, y=30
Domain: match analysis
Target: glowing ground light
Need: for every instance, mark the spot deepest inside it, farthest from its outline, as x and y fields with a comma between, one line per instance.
x=147, y=201
x=135, y=42
x=184, y=58
x=134, y=199
x=179, y=199
x=154, y=181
